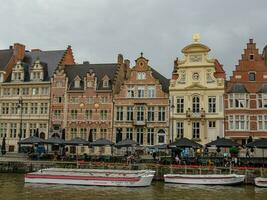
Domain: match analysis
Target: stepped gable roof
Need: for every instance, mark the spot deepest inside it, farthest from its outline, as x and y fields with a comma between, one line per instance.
x=51, y=58
x=263, y=88
x=100, y=70
x=5, y=56
x=238, y=88
x=163, y=81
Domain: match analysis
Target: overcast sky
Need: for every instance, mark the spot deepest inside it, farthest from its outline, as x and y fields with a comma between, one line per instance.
x=98, y=30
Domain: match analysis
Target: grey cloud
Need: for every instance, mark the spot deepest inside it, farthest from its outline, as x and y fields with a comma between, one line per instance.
x=100, y=29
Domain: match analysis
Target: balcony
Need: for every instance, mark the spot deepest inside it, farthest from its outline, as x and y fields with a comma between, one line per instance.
x=201, y=115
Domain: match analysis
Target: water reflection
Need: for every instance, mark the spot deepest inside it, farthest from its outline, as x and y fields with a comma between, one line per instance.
x=12, y=187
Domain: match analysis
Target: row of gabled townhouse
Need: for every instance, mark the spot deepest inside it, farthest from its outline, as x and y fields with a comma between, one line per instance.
x=47, y=94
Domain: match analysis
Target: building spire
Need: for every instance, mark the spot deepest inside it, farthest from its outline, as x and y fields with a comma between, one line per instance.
x=196, y=37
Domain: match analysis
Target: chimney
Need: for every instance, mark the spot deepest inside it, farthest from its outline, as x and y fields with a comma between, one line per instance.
x=19, y=51
x=10, y=47
x=120, y=59
x=264, y=54
x=86, y=62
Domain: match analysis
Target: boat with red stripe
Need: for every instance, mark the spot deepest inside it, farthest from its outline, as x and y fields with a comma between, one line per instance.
x=126, y=178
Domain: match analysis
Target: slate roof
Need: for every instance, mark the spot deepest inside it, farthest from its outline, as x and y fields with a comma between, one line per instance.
x=51, y=58
x=163, y=81
x=100, y=70
x=238, y=88
x=5, y=56
x=263, y=88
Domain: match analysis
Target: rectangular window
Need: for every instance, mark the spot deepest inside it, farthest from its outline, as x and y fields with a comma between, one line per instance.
x=57, y=114
x=43, y=108
x=25, y=91
x=73, y=132
x=104, y=114
x=35, y=91
x=140, y=136
x=129, y=113
x=196, y=130
x=32, y=128
x=34, y=108
x=141, y=75
x=180, y=129
x=129, y=133
x=89, y=114
x=238, y=100
x=140, y=113
x=119, y=113
x=212, y=124
x=151, y=114
x=141, y=91
x=150, y=136
x=103, y=133
x=151, y=90
x=13, y=130
x=180, y=104
x=239, y=122
x=212, y=104
x=103, y=99
x=5, y=108
x=74, y=114
x=58, y=99
x=3, y=130
x=130, y=91
x=83, y=133
x=262, y=100
x=161, y=113
x=262, y=122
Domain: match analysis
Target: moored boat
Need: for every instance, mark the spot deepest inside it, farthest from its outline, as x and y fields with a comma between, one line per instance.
x=93, y=177
x=261, y=182
x=207, y=179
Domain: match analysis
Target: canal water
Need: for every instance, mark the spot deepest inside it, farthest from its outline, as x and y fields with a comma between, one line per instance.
x=12, y=187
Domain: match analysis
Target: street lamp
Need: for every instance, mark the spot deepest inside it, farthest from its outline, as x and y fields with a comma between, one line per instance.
x=19, y=106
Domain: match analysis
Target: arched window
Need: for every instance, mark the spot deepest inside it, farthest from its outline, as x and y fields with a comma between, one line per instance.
x=195, y=104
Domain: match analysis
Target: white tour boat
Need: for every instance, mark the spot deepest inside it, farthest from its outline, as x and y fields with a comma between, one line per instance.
x=261, y=182
x=93, y=177
x=207, y=179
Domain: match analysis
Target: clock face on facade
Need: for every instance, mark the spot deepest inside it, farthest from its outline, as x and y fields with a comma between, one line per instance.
x=195, y=76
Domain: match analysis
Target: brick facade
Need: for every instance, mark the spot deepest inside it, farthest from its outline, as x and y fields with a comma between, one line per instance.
x=141, y=108
x=246, y=97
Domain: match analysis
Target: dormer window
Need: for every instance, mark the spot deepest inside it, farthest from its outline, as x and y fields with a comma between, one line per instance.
x=105, y=83
x=105, y=80
x=18, y=72
x=37, y=73
x=77, y=82
x=252, y=76
x=141, y=76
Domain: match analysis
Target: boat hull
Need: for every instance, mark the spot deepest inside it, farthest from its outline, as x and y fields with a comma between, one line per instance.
x=92, y=178
x=261, y=182
x=212, y=179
